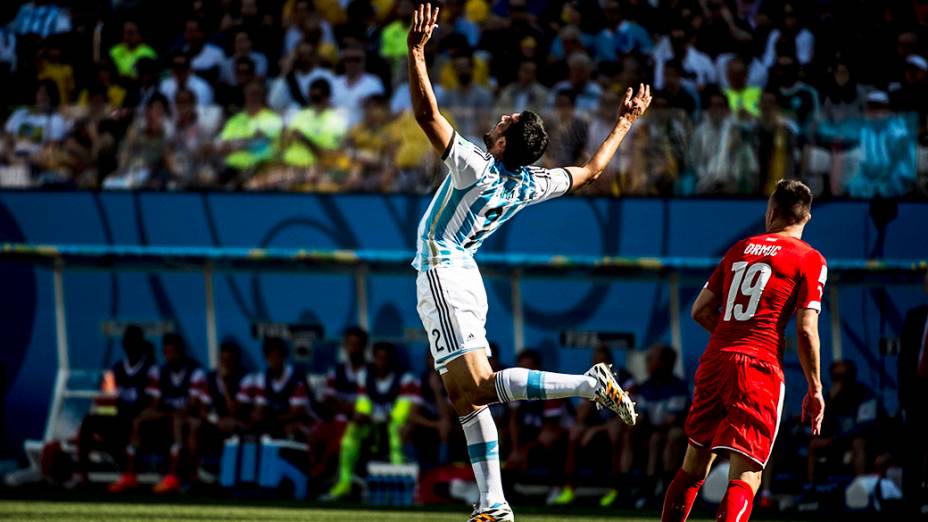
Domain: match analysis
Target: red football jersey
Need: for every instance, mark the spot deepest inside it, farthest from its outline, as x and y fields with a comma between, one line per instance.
x=761, y=282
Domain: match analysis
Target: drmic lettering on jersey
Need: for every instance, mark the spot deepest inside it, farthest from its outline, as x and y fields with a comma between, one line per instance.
x=755, y=249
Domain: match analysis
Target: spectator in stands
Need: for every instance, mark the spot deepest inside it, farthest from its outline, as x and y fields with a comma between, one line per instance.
x=652, y=162
x=143, y=153
x=537, y=429
x=312, y=136
x=524, y=94
x=621, y=35
x=680, y=92
x=242, y=49
x=720, y=31
x=910, y=95
x=278, y=396
x=722, y=151
x=367, y=147
x=130, y=50
x=190, y=149
x=579, y=71
x=249, y=139
x=290, y=91
x=182, y=78
x=206, y=59
x=173, y=388
x=913, y=388
x=568, y=133
x=848, y=429
x=467, y=102
x=220, y=415
x=662, y=404
x=796, y=98
x=33, y=134
x=41, y=18
x=108, y=427
x=386, y=397
x=886, y=145
x=792, y=33
x=50, y=66
x=843, y=98
x=592, y=436
x=455, y=20
x=777, y=136
x=105, y=80
x=355, y=85
x=679, y=45
x=741, y=96
x=231, y=96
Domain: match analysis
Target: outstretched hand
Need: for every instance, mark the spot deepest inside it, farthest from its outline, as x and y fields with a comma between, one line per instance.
x=424, y=21
x=635, y=105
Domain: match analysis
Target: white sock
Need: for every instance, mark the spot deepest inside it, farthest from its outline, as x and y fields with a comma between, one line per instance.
x=516, y=384
x=483, y=449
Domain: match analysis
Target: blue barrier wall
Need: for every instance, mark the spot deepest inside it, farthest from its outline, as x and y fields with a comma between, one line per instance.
x=631, y=227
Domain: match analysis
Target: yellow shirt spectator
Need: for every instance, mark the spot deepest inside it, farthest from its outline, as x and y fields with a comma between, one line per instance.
x=255, y=134
x=324, y=129
x=124, y=58
x=747, y=99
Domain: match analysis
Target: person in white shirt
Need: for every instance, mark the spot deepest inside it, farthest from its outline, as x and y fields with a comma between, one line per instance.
x=29, y=129
x=679, y=45
x=801, y=37
x=181, y=76
x=352, y=88
x=291, y=90
x=205, y=58
x=579, y=69
x=243, y=49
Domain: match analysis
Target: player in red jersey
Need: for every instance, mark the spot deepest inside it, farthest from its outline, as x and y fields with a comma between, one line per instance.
x=738, y=393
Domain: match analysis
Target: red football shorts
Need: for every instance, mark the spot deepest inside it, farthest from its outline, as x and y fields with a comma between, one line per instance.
x=737, y=403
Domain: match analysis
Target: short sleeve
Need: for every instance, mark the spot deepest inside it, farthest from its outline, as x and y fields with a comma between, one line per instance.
x=246, y=390
x=466, y=162
x=199, y=389
x=813, y=272
x=154, y=376
x=548, y=183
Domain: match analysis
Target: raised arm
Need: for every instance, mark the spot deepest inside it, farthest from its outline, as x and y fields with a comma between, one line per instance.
x=631, y=109
x=424, y=105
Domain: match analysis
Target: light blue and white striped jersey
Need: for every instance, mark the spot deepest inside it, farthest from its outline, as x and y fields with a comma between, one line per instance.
x=478, y=195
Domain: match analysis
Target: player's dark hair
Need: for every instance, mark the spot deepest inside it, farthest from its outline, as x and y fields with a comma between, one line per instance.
x=792, y=201
x=532, y=355
x=174, y=340
x=356, y=331
x=275, y=344
x=231, y=346
x=526, y=141
x=667, y=357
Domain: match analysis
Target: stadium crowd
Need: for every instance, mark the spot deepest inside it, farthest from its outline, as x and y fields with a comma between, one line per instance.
x=311, y=94
x=172, y=418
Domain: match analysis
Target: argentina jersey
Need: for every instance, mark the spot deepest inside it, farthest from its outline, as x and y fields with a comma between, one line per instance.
x=478, y=195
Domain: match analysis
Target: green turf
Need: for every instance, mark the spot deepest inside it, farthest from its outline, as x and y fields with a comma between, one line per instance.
x=119, y=512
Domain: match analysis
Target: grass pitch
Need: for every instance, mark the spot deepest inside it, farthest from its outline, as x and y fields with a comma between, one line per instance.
x=54, y=511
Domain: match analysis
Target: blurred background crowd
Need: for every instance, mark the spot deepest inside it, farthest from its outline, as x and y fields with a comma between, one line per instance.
x=165, y=413
x=312, y=95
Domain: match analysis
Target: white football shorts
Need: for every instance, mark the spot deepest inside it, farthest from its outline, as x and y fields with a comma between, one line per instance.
x=452, y=305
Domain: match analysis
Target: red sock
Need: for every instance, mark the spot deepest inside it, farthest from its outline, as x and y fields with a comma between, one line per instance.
x=737, y=504
x=680, y=497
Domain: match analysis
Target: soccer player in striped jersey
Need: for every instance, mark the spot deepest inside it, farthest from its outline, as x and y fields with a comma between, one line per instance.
x=483, y=189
